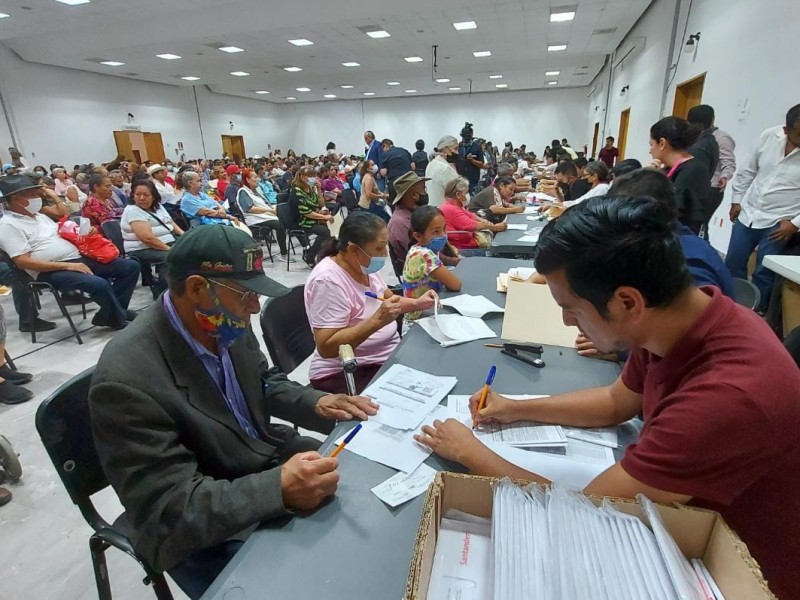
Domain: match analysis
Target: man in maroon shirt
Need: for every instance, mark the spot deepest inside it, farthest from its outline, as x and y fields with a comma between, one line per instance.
x=719, y=393
x=608, y=154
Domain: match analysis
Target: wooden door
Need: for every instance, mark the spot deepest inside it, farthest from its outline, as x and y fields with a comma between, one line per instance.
x=688, y=95
x=594, y=139
x=237, y=145
x=124, y=146
x=227, y=150
x=622, y=138
x=154, y=147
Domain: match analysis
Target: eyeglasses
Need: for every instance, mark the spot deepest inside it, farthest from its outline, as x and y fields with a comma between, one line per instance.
x=244, y=296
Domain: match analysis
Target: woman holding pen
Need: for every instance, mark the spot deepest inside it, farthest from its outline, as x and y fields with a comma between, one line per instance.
x=348, y=302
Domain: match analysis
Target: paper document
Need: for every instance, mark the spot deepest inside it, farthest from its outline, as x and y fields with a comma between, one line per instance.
x=395, y=448
x=451, y=330
x=522, y=434
x=531, y=238
x=516, y=227
x=462, y=562
x=540, y=218
x=532, y=316
x=521, y=272
x=403, y=487
x=603, y=436
x=531, y=210
x=542, y=197
x=471, y=306
x=406, y=396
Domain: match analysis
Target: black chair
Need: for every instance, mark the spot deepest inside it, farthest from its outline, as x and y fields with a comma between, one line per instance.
x=350, y=200
x=288, y=219
x=9, y=362
x=397, y=264
x=260, y=231
x=64, y=426
x=746, y=293
x=112, y=231
x=34, y=288
x=286, y=330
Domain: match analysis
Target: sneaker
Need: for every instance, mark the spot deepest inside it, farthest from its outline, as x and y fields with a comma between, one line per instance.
x=41, y=325
x=5, y=496
x=12, y=394
x=15, y=377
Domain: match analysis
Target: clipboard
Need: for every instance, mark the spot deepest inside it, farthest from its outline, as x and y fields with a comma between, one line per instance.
x=533, y=317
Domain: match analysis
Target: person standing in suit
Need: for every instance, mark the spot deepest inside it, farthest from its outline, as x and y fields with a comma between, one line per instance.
x=186, y=437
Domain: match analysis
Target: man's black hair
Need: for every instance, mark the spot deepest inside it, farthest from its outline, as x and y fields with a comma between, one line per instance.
x=567, y=168
x=793, y=116
x=702, y=115
x=625, y=166
x=650, y=183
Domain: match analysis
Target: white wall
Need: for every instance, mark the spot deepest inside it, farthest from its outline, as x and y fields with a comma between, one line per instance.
x=746, y=53
x=533, y=118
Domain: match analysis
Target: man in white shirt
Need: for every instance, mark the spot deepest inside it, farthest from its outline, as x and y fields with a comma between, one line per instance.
x=765, y=207
x=158, y=174
x=442, y=169
x=32, y=241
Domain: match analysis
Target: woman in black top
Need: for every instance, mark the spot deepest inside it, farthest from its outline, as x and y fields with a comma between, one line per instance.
x=670, y=140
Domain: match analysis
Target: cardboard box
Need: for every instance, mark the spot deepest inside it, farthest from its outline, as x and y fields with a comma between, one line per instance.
x=698, y=533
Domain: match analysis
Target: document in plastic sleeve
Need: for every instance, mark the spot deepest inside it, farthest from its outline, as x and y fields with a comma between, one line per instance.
x=403, y=487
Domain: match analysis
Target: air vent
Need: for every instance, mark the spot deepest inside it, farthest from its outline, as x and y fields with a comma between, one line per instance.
x=604, y=31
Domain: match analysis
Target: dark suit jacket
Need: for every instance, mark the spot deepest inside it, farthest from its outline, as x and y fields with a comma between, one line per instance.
x=188, y=476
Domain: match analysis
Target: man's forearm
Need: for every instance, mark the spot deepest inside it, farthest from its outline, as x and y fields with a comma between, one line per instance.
x=40, y=266
x=592, y=407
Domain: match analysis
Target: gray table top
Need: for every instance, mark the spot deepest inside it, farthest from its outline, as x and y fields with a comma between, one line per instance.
x=505, y=242
x=355, y=546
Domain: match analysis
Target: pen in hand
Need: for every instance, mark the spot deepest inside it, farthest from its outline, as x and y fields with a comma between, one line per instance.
x=346, y=441
x=484, y=393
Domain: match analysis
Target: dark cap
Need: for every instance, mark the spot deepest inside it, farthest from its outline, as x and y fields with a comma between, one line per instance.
x=222, y=252
x=13, y=184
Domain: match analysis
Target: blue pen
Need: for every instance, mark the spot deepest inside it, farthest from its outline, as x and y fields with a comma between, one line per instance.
x=485, y=392
x=346, y=440
x=373, y=295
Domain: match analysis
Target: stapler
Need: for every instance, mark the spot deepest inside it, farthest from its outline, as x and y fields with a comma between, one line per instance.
x=519, y=351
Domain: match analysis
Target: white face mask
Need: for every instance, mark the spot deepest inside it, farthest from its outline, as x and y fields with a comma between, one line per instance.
x=34, y=205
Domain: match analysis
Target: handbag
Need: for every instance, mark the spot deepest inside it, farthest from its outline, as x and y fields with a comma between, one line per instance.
x=482, y=238
x=94, y=246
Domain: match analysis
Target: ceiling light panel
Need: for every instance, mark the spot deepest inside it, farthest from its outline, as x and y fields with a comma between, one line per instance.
x=482, y=53
x=4, y=16
x=351, y=64
x=454, y=89
x=464, y=25
x=261, y=92
x=413, y=59
x=240, y=73
x=168, y=56
x=112, y=63
x=392, y=83
x=230, y=49
x=303, y=89
x=346, y=87
x=501, y=86
x=368, y=93
x=561, y=14
x=73, y=2
x=443, y=80
x=301, y=42
x=552, y=73
x=190, y=78
x=495, y=76
x=379, y=34
x=292, y=69
x=556, y=47
x=329, y=96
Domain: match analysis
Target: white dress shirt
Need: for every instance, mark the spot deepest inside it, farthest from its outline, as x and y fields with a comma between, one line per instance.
x=166, y=191
x=601, y=189
x=726, y=165
x=768, y=184
x=37, y=236
x=440, y=173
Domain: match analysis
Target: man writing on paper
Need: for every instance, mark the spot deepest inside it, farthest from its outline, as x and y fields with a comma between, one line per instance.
x=181, y=405
x=719, y=394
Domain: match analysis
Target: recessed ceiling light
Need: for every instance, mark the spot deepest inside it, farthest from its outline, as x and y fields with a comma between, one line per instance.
x=303, y=89
x=4, y=16
x=495, y=76
x=368, y=93
x=240, y=73
x=552, y=73
x=329, y=96
x=290, y=98
x=482, y=53
x=112, y=63
x=380, y=33
x=413, y=59
x=351, y=64
x=73, y=2
x=168, y=56
x=190, y=78
x=556, y=47
x=443, y=80
x=292, y=69
x=301, y=42
x=552, y=83
x=346, y=87
x=465, y=25
x=501, y=85
x=561, y=15
x=392, y=83
x=454, y=89
x=411, y=91
x=261, y=92
x=231, y=49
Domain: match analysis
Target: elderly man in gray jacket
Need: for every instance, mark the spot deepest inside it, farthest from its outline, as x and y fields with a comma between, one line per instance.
x=181, y=405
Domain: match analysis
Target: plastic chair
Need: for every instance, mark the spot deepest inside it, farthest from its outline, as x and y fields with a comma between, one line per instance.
x=64, y=426
x=260, y=231
x=34, y=288
x=112, y=230
x=286, y=330
x=746, y=293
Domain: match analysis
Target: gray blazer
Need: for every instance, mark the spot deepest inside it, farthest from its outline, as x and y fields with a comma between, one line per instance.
x=188, y=476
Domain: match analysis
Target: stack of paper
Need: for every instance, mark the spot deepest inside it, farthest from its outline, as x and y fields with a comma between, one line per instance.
x=471, y=306
x=531, y=237
x=451, y=330
x=516, y=227
x=462, y=561
x=514, y=274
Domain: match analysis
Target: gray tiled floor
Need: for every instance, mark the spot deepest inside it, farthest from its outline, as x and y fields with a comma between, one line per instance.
x=44, y=552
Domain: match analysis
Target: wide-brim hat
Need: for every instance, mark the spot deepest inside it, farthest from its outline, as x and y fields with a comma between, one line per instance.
x=404, y=183
x=13, y=184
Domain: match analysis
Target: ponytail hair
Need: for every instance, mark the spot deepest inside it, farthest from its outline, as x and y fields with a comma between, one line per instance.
x=679, y=133
x=360, y=228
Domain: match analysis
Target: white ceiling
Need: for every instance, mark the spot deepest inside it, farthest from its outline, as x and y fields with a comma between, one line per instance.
x=517, y=32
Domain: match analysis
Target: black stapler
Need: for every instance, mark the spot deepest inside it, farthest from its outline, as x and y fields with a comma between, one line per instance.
x=520, y=352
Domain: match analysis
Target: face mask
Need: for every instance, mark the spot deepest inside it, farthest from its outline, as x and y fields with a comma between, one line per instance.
x=312, y=181
x=374, y=168
x=376, y=263
x=219, y=322
x=39, y=173
x=437, y=243
x=451, y=158
x=34, y=205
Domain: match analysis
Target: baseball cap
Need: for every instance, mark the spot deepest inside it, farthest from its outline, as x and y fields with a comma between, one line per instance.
x=404, y=183
x=232, y=170
x=222, y=252
x=155, y=168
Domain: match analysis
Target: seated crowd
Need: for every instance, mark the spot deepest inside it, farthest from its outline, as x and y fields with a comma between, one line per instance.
x=625, y=255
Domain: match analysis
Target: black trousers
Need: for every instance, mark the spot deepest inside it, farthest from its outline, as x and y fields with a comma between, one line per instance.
x=322, y=232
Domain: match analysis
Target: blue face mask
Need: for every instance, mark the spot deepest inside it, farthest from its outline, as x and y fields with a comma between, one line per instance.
x=312, y=181
x=219, y=322
x=376, y=263
x=437, y=243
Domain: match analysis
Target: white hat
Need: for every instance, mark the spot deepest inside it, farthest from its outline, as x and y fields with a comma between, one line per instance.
x=155, y=168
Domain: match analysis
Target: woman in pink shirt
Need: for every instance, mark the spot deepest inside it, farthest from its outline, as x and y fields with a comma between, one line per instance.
x=340, y=310
x=458, y=219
